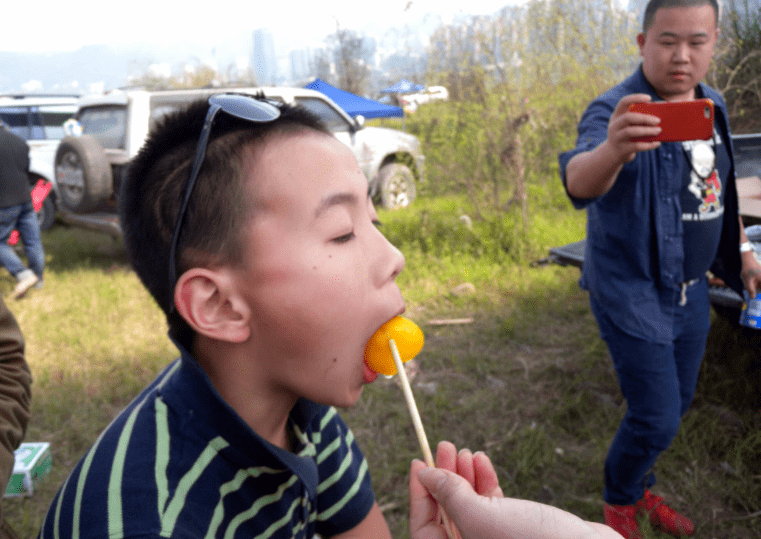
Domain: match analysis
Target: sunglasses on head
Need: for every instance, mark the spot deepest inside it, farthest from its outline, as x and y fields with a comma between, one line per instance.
x=239, y=106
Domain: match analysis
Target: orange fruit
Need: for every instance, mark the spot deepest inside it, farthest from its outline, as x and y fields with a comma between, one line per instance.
x=408, y=338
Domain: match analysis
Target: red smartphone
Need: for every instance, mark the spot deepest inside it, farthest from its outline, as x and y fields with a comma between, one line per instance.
x=683, y=120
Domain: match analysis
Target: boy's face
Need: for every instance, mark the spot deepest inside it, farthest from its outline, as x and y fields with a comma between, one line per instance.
x=677, y=50
x=318, y=275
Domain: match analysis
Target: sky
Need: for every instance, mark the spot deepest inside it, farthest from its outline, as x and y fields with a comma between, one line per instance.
x=54, y=25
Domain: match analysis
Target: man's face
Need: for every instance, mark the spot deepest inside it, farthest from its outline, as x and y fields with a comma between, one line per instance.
x=318, y=274
x=677, y=50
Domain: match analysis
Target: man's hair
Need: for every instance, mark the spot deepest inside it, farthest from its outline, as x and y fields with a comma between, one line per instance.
x=218, y=210
x=655, y=5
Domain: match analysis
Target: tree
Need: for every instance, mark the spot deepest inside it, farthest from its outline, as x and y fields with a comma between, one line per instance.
x=552, y=56
x=352, y=71
x=737, y=66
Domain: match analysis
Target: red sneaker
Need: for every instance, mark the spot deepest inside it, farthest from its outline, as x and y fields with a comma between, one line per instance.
x=623, y=519
x=664, y=517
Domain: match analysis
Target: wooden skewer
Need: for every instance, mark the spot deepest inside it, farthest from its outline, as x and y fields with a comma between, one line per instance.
x=418, y=426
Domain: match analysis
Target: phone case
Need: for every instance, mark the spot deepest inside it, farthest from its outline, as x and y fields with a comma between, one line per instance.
x=684, y=120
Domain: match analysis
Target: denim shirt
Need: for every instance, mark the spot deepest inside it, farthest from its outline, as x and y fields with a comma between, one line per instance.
x=633, y=265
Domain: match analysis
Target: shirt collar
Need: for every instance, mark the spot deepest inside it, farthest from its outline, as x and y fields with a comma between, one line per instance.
x=210, y=415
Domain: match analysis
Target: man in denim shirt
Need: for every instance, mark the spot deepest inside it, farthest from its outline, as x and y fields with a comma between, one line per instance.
x=659, y=215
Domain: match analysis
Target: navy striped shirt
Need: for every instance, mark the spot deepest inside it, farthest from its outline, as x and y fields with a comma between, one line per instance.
x=179, y=462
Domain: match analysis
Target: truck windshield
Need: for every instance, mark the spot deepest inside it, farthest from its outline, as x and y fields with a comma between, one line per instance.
x=107, y=124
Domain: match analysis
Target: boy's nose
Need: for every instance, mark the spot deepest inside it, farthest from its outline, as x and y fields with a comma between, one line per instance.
x=398, y=261
x=389, y=260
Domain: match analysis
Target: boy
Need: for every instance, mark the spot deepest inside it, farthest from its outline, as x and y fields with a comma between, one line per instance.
x=252, y=227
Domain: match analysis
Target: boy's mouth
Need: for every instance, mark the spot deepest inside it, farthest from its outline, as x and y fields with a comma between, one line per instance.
x=368, y=375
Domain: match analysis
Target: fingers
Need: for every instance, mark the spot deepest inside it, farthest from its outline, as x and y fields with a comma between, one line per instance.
x=446, y=456
x=477, y=469
x=486, y=481
x=625, y=126
x=623, y=104
x=465, y=466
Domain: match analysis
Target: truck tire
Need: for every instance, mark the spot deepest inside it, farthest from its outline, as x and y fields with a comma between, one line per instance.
x=396, y=186
x=46, y=215
x=83, y=174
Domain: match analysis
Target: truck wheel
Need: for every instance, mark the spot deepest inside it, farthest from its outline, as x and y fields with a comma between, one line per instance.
x=82, y=173
x=46, y=215
x=396, y=185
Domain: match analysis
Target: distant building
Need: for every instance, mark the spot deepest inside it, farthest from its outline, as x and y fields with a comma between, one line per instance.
x=263, y=59
x=301, y=64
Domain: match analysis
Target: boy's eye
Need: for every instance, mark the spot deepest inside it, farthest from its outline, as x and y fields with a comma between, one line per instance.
x=344, y=238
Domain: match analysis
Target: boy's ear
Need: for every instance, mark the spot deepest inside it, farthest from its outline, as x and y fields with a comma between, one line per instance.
x=210, y=304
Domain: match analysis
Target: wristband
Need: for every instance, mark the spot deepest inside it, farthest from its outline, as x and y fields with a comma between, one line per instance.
x=746, y=247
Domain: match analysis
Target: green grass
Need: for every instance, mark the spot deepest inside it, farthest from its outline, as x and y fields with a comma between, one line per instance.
x=529, y=381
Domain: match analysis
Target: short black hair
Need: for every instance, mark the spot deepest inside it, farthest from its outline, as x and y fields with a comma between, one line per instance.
x=655, y=5
x=154, y=185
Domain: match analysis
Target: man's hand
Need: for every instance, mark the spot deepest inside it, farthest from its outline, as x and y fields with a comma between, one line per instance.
x=593, y=173
x=625, y=126
x=751, y=274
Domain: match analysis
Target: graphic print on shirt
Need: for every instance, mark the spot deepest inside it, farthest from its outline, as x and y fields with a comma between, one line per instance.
x=704, y=182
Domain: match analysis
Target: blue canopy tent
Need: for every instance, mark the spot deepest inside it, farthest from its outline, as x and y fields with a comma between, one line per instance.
x=353, y=104
x=402, y=87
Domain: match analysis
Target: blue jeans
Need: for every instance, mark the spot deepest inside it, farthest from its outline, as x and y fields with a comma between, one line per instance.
x=658, y=382
x=24, y=219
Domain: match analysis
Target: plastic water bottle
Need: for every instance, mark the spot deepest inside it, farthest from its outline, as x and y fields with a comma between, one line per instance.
x=751, y=313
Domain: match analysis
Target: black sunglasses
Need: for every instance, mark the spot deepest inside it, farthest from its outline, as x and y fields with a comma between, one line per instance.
x=240, y=106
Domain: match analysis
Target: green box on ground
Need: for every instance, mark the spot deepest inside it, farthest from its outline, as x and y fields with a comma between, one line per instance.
x=33, y=462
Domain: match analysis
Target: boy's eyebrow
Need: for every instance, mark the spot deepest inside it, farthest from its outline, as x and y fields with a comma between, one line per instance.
x=334, y=200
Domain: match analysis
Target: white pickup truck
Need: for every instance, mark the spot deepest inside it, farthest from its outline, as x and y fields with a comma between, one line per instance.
x=89, y=167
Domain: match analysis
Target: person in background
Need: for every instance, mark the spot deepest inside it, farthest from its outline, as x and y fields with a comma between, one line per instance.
x=657, y=220
x=15, y=397
x=17, y=213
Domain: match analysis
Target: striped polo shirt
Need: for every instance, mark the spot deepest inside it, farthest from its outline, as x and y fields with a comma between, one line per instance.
x=179, y=462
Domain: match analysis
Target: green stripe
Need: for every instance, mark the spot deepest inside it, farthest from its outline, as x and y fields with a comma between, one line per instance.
x=275, y=526
x=162, y=447
x=81, y=487
x=325, y=453
x=115, y=522
x=231, y=486
x=162, y=455
x=348, y=459
x=169, y=518
x=57, y=521
x=327, y=417
x=325, y=515
x=258, y=505
x=115, y=517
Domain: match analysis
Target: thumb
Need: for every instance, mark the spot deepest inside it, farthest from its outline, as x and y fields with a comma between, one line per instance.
x=447, y=488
